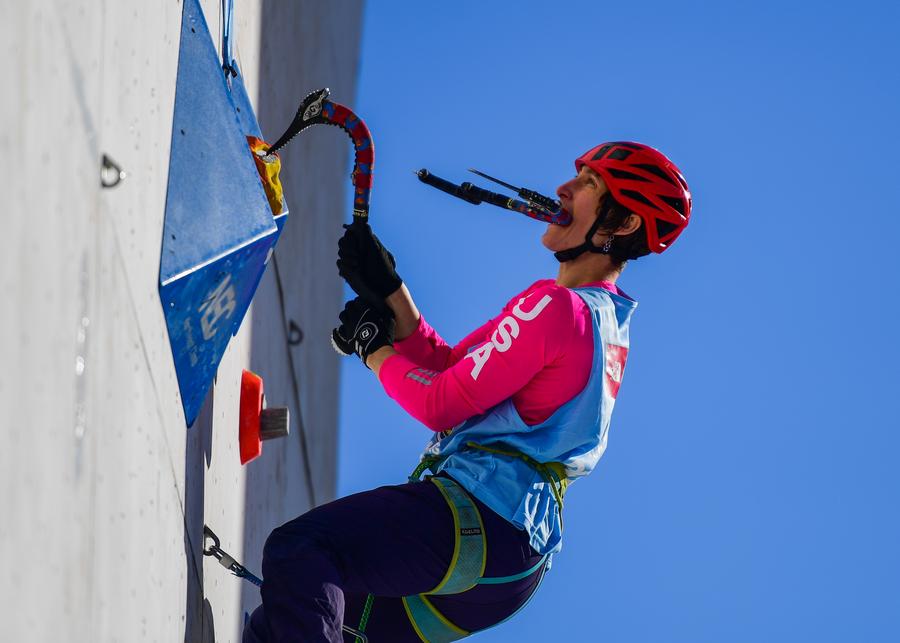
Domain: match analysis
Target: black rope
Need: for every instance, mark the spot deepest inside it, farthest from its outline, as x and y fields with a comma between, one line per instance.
x=285, y=321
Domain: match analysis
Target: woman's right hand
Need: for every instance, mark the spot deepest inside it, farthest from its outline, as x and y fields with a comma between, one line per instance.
x=366, y=265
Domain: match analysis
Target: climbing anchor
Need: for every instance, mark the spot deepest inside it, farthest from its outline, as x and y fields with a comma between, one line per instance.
x=227, y=561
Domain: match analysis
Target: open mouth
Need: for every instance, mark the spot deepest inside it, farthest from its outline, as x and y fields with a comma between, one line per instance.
x=564, y=218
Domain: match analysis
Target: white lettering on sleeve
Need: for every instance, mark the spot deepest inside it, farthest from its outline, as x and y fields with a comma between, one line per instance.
x=507, y=330
x=534, y=312
x=480, y=356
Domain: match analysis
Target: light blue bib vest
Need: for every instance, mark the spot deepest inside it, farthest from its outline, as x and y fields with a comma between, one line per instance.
x=575, y=435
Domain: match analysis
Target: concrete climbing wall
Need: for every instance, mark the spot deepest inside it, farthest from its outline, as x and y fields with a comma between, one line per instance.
x=104, y=490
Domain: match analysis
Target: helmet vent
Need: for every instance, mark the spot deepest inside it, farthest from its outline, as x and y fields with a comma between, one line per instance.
x=622, y=174
x=620, y=154
x=678, y=204
x=658, y=171
x=603, y=150
x=664, y=228
x=637, y=196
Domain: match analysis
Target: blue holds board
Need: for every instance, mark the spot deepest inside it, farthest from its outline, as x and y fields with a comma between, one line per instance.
x=219, y=230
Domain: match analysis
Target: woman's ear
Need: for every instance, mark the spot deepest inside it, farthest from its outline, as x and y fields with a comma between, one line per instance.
x=632, y=223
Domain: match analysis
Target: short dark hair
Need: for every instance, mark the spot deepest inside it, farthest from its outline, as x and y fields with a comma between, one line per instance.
x=629, y=246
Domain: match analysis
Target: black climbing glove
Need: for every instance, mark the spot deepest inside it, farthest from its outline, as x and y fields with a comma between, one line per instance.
x=363, y=330
x=366, y=265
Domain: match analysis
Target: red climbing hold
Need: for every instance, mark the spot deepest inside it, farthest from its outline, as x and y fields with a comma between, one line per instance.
x=257, y=423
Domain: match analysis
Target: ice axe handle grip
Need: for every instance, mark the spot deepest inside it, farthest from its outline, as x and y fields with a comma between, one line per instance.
x=536, y=199
x=459, y=191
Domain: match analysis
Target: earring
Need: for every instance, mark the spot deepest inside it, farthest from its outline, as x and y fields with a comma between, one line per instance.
x=608, y=245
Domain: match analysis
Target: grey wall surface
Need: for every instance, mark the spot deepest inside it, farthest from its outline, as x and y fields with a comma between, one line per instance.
x=104, y=490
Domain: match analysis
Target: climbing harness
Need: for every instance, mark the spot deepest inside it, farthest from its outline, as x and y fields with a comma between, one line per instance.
x=465, y=570
x=467, y=564
x=535, y=205
x=316, y=109
x=470, y=543
x=554, y=473
x=229, y=563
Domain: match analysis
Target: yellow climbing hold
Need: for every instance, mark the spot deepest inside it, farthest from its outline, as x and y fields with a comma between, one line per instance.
x=268, y=166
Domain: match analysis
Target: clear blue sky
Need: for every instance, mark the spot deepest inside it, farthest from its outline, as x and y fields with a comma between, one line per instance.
x=750, y=489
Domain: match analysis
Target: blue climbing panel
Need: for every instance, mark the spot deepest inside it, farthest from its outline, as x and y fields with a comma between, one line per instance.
x=219, y=230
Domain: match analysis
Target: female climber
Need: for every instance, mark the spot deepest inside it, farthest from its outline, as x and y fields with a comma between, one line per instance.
x=518, y=409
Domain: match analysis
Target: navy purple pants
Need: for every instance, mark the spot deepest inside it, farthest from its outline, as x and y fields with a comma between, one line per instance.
x=391, y=542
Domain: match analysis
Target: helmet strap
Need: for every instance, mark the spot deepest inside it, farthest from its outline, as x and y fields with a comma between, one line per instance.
x=588, y=246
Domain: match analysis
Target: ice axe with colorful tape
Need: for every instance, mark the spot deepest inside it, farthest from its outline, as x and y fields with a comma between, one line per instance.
x=316, y=109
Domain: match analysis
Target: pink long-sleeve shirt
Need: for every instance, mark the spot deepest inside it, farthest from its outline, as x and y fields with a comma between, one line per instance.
x=538, y=351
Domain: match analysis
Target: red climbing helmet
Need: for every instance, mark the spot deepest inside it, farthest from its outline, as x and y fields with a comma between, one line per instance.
x=643, y=180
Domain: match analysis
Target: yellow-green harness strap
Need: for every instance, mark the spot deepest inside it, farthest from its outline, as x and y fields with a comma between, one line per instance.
x=430, y=624
x=469, y=548
x=553, y=472
x=465, y=571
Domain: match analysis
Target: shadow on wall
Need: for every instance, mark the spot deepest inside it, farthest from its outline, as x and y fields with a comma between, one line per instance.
x=272, y=496
x=198, y=625
x=305, y=45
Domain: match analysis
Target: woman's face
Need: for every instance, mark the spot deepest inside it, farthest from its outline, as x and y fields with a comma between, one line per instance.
x=580, y=197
